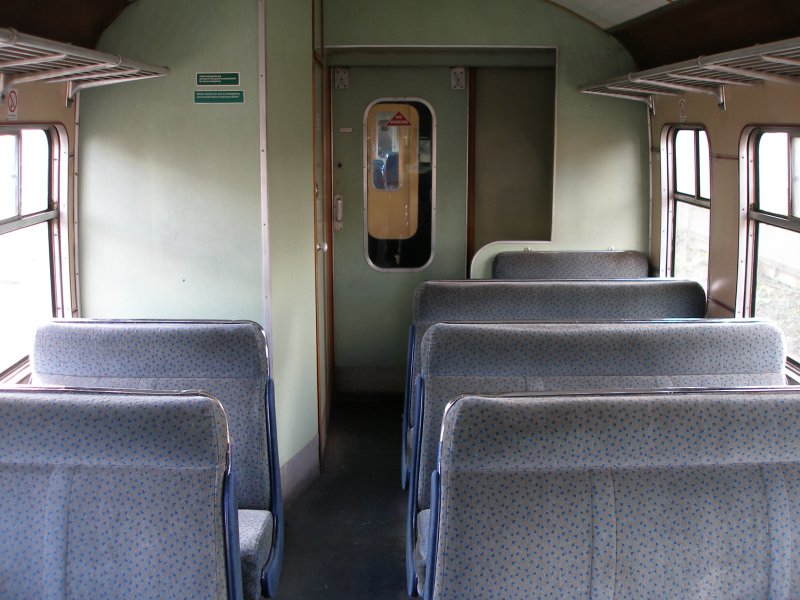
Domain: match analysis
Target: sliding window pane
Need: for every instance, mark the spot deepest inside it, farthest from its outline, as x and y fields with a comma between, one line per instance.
x=773, y=173
x=691, y=242
x=685, y=163
x=796, y=177
x=9, y=168
x=777, y=295
x=704, y=164
x=25, y=289
x=35, y=171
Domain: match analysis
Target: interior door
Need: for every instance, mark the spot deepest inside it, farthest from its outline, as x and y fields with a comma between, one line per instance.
x=373, y=283
x=322, y=220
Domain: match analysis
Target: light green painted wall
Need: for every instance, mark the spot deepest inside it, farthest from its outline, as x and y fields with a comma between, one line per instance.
x=601, y=181
x=169, y=191
x=169, y=207
x=290, y=130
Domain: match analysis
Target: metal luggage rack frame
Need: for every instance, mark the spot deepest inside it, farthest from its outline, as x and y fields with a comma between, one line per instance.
x=776, y=62
x=26, y=58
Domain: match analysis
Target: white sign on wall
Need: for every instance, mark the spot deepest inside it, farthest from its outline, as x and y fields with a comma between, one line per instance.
x=12, y=105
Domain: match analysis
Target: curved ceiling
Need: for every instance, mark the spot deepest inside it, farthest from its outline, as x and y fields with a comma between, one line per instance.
x=78, y=22
x=608, y=13
x=655, y=32
x=687, y=29
x=659, y=32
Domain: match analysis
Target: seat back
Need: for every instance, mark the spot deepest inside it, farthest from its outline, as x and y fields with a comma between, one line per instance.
x=108, y=494
x=487, y=300
x=607, y=264
x=690, y=494
x=493, y=358
x=476, y=300
x=228, y=359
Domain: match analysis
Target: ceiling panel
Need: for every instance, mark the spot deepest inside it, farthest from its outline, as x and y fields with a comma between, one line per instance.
x=655, y=32
x=608, y=13
x=78, y=22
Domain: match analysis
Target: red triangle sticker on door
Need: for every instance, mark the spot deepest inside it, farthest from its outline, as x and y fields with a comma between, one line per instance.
x=398, y=120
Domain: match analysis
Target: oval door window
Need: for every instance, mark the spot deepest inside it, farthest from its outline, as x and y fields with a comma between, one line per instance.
x=399, y=167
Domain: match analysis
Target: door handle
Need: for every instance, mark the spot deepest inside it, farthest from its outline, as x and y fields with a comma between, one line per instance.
x=338, y=212
x=323, y=247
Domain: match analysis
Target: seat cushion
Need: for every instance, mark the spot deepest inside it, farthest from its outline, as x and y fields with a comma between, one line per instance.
x=421, y=549
x=255, y=545
x=423, y=526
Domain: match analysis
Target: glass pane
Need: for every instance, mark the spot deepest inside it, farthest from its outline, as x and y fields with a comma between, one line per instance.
x=392, y=197
x=704, y=164
x=796, y=177
x=685, y=162
x=691, y=242
x=773, y=173
x=778, y=282
x=8, y=176
x=392, y=132
x=35, y=171
x=25, y=289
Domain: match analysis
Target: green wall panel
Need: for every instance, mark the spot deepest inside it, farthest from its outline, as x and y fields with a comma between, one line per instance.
x=170, y=205
x=168, y=190
x=601, y=143
x=290, y=131
x=169, y=197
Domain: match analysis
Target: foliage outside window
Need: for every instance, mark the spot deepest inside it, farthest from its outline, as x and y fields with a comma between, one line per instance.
x=774, y=289
x=690, y=203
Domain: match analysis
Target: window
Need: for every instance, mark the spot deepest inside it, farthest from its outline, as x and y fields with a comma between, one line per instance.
x=774, y=216
x=399, y=185
x=689, y=204
x=31, y=288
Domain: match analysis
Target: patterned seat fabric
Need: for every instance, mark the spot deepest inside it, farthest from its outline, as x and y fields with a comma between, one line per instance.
x=570, y=265
x=504, y=358
x=478, y=300
x=693, y=494
x=486, y=300
x=111, y=495
x=228, y=359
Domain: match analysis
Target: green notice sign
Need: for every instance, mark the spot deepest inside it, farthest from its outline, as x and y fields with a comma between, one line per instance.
x=217, y=78
x=219, y=97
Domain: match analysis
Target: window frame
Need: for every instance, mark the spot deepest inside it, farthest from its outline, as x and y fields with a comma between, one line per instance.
x=57, y=216
x=754, y=216
x=671, y=196
x=789, y=221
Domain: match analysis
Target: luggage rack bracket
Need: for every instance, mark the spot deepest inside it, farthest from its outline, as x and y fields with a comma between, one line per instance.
x=26, y=58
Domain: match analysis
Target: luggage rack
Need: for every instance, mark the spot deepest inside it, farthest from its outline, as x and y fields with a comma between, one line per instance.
x=776, y=61
x=26, y=58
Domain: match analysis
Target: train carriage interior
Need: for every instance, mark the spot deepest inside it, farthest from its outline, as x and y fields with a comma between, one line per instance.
x=451, y=299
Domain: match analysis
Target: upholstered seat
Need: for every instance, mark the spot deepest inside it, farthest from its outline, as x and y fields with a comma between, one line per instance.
x=107, y=494
x=487, y=300
x=458, y=358
x=225, y=358
x=688, y=494
x=601, y=264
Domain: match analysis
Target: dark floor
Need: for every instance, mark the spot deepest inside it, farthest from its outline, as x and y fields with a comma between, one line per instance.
x=345, y=535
